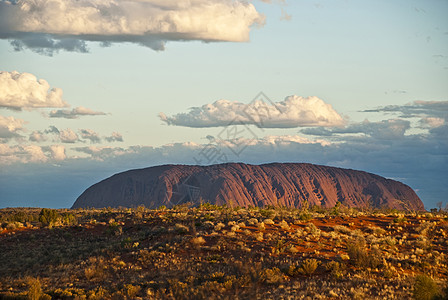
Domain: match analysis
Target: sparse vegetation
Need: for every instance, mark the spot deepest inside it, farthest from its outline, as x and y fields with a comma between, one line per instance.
x=222, y=252
x=425, y=288
x=49, y=217
x=309, y=266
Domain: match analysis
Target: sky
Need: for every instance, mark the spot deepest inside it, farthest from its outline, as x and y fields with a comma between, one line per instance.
x=91, y=88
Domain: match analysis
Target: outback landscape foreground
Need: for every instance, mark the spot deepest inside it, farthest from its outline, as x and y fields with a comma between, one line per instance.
x=223, y=252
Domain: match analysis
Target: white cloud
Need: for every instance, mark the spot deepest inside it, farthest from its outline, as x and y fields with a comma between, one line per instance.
x=292, y=112
x=21, y=154
x=23, y=90
x=58, y=152
x=68, y=136
x=37, y=136
x=115, y=137
x=47, y=25
x=30, y=154
x=34, y=153
x=75, y=113
x=91, y=135
x=41, y=136
x=9, y=127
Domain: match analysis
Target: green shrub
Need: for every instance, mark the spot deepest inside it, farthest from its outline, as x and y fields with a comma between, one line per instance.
x=69, y=219
x=336, y=209
x=425, y=288
x=49, y=217
x=305, y=216
x=400, y=220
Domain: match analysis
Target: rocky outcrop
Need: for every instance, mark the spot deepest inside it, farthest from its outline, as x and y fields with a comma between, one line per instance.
x=279, y=184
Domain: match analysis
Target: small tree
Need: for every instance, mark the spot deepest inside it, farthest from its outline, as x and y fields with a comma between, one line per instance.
x=49, y=217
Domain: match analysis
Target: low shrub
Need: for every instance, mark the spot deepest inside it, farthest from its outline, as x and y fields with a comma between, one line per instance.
x=309, y=266
x=49, y=217
x=335, y=268
x=425, y=288
x=114, y=229
x=271, y=276
x=360, y=256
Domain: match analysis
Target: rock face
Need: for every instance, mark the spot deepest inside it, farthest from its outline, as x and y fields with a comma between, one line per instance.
x=238, y=184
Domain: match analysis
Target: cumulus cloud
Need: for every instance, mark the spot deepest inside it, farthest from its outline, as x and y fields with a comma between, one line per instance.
x=21, y=153
x=31, y=154
x=42, y=136
x=292, y=112
x=68, y=136
x=46, y=26
x=75, y=113
x=37, y=136
x=386, y=129
x=24, y=91
x=57, y=152
x=91, y=135
x=115, y=137
x=10, y=127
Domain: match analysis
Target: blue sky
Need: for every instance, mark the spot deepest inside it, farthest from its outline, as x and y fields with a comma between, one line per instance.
x=354, y=84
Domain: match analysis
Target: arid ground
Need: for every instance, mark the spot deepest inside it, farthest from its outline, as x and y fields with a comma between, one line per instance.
x=219, y=252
